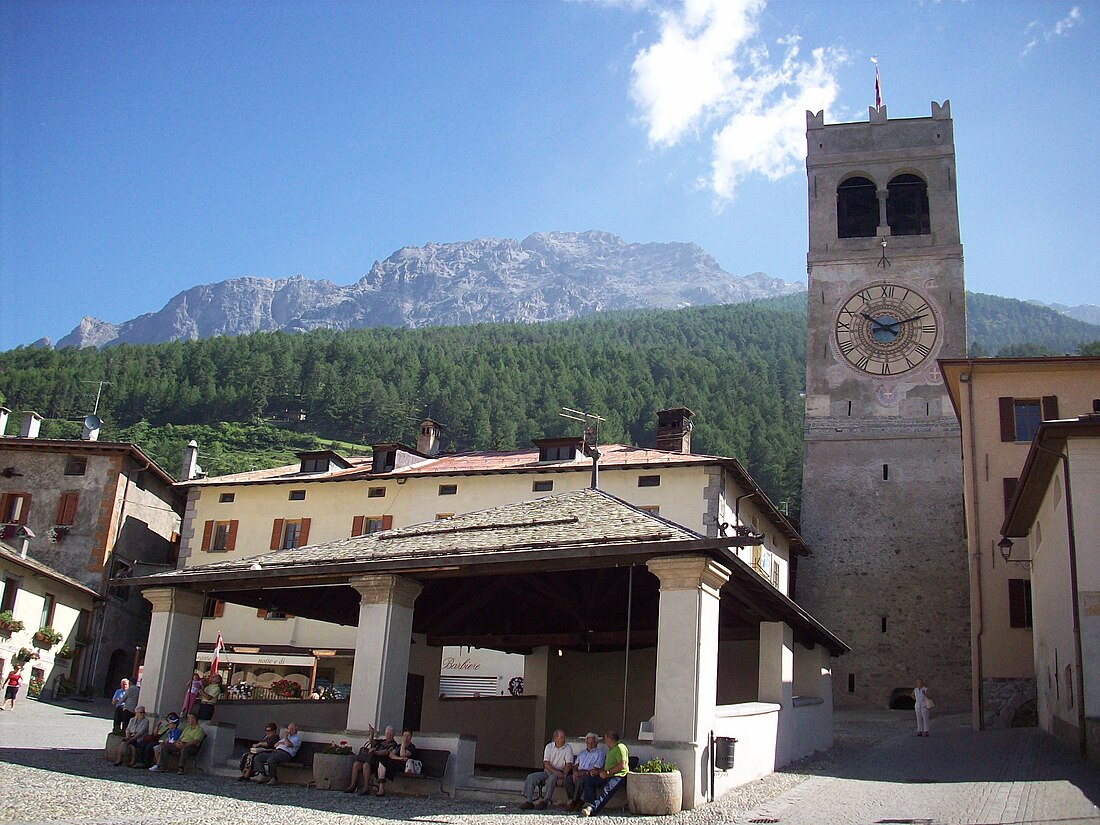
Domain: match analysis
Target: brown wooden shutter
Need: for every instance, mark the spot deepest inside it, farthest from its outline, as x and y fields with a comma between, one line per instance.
x=303, y=536
x=1008, y=419
x=1019, y=607
x=4, y=504
x=276, y=533
x=262, y=613
x=231, y=539
x=219, y=609
x=387, y=522
x=1050, y=408
x=357, y=526
x=66, y=508
x=207, y=536
x=1009, y=486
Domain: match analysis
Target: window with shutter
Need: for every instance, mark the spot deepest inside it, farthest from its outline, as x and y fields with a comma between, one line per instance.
x=1050, y=408
x=207, y=536
x=14, y=508
x=66, y=508
x=1008, y=485
x=1019, y=603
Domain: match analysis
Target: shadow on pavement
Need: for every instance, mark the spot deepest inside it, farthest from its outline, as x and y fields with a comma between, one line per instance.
x=91, y=764
x=955, y=753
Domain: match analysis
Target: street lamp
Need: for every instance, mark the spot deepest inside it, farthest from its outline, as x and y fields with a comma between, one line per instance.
x=1005, y=546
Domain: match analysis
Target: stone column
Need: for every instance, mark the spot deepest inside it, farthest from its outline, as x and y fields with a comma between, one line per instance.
x=883, y=225
x=170, y=651
x=381, y=651
x=687, y=647
x=776, y=663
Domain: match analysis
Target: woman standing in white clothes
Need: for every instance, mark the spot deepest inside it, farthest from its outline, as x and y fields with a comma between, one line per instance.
x=922, y=704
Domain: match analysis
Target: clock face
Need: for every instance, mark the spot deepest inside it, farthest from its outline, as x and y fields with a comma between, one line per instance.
x=887, y=329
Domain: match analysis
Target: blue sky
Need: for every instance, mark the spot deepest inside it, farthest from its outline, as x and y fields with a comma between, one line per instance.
x=149, y=147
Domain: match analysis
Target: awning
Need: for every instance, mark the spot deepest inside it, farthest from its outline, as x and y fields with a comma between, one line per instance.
x=258, y=659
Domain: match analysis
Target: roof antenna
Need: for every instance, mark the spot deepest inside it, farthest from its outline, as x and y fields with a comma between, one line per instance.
x=590, y=444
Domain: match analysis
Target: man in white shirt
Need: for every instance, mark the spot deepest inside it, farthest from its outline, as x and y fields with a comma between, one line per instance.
x=557, y=763
x=265, y=764
x=588, y=763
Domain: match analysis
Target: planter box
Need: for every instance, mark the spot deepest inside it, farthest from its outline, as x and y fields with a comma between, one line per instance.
x=331, y=770
x=655, y=794
x=113, y=747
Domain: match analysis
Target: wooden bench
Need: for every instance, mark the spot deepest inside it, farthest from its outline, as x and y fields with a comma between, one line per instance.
x=434, y=768
x=291, y=772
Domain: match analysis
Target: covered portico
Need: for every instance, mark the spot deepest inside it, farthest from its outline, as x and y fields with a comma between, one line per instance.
x=627, y=621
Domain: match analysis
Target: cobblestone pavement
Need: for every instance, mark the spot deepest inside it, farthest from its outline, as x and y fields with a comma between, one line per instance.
x=52, y=770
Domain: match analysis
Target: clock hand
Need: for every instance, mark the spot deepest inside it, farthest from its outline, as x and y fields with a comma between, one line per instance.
x=914, y=318
x=875, y=322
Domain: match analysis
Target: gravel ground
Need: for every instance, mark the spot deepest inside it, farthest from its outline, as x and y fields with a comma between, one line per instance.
x=52, y=770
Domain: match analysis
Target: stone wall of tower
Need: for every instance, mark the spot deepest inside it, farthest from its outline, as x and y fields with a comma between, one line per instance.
x=882, y=507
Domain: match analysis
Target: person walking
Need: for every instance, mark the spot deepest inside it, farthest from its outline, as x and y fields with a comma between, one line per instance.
x=922, y=703
x=11, y=686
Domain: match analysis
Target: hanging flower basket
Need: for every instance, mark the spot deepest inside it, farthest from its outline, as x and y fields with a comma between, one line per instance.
x=9, y=624
x=25, y=654
x=47, y=637
x=66, y=652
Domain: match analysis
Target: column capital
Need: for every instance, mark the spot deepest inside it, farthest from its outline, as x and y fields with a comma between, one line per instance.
x=384, y=589
x=174, y=600
x=689, y=572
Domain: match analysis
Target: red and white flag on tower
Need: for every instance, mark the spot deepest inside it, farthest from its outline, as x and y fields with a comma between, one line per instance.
x=878, y=84
x=218, y=647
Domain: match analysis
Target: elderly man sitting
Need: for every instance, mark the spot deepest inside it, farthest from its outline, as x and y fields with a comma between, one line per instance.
x=588, y=763
x=264, y=765
x=557, y=763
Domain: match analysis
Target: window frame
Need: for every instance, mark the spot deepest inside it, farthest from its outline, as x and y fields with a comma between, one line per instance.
x=76, y=465
x=1020, y=612
x=851, y=222
x=448, y=489
x=15, y=508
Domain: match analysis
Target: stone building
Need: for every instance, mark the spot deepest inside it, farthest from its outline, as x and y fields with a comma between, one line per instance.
x=97, y=510
x=1000, y=403
x=882, y=486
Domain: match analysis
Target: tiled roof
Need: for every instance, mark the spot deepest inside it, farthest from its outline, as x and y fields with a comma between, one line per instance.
x=611, y=455
x=12, y=555
x=576, y=519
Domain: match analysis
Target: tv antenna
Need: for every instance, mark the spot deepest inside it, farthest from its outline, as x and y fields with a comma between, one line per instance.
x=590, y=443
x=98, y=393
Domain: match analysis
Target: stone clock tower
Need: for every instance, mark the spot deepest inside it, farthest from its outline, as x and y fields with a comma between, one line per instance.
x=882, y=491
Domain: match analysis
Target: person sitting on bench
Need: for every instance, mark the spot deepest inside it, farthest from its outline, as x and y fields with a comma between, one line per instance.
x=265, y=764
x=393, y=764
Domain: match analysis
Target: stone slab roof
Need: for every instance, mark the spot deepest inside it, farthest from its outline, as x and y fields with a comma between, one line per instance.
x=582, y=518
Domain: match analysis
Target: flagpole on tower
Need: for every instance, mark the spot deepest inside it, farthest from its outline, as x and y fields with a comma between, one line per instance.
x=878, y=85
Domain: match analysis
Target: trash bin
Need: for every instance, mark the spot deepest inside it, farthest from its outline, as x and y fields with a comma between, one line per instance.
x=723, y=752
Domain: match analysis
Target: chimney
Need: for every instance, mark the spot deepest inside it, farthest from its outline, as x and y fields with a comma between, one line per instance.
x=674, y=430
x=32, y=423
x=427, y=442
x=4, y=413
x=190, y=467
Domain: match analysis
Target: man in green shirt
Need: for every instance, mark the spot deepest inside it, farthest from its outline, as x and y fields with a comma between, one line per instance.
x=187, y=746
x=598, y=790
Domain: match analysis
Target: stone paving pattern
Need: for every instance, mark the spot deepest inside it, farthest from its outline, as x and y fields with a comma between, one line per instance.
x=52, y=770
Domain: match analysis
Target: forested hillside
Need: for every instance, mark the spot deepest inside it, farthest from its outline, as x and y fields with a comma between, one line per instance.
x=739, y=367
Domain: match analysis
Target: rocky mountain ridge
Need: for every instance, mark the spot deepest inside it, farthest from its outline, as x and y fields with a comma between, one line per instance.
x=545, y=277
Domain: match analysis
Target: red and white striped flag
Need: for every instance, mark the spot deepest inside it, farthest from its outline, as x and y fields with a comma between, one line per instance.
x=218, y=647
x=878, y=84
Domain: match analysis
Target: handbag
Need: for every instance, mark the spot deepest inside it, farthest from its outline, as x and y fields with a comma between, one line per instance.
x=413, y=766
x=928, y=703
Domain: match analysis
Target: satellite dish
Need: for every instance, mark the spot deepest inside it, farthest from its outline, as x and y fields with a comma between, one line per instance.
x=92, y=425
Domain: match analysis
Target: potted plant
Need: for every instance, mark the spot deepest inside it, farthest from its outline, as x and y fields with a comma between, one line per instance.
x=9, y=624
x=286, y=689
x=655, y=788
x=332, y=766
x=47, y=637
x=66, y=652
x=34, y=688
x=25, y=654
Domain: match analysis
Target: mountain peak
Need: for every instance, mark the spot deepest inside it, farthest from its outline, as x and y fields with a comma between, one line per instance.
x=547, y=276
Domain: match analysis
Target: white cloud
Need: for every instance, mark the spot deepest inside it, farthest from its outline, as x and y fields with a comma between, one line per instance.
x=710, y=68
x=1039, y=33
